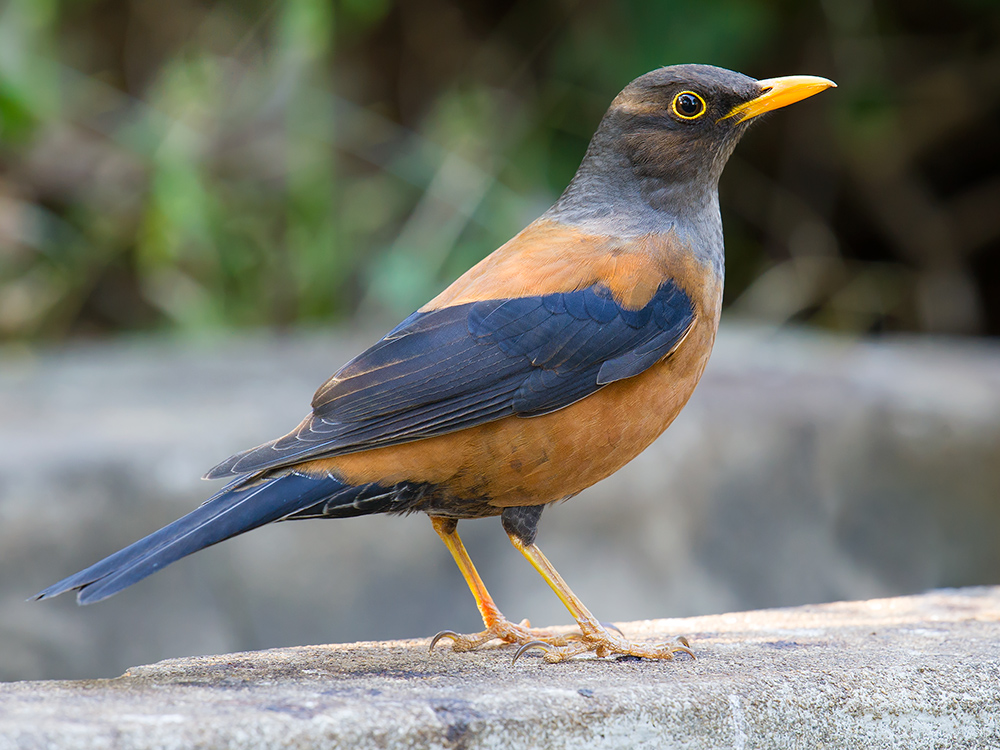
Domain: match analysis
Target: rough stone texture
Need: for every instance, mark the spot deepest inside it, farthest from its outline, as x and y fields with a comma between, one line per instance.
x=914, y=672
x=805, y=469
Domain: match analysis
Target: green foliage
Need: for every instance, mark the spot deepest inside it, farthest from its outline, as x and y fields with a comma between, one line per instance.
x=193, y=167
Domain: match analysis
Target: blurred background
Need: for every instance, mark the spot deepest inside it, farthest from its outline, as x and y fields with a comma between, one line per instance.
x=201, y=166
x=205, y=205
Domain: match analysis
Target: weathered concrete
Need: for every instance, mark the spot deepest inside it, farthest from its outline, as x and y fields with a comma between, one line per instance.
x=914, y=672
x=805, y=469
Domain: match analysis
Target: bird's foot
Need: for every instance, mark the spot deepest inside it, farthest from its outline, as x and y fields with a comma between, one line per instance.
x=602, y=643
x=504, y=630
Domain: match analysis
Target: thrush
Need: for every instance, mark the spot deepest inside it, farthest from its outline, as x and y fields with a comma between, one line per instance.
x=544, y=368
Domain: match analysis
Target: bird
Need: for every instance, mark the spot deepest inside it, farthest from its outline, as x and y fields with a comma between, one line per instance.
x=543, y=369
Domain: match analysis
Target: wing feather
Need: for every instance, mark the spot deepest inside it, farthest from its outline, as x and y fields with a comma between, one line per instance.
x=458, y=367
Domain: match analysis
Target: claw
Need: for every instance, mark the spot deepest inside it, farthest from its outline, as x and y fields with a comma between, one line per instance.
x=527, y=647
x=443, y=634
x=683, y=646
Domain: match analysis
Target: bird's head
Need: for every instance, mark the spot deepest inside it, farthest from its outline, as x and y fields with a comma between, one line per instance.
x=682, y=122
x=656, y=158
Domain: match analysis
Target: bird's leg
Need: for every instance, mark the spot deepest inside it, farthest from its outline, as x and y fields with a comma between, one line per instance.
x=595, y=637
x=497, y=626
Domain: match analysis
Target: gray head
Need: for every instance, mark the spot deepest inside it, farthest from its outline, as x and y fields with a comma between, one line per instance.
x=664, y=141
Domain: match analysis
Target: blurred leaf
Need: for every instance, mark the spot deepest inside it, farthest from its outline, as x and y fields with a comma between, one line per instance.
x=192, y=166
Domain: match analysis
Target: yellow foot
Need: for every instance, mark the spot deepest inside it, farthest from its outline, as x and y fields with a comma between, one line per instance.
x=602, y=643
x=503, y=629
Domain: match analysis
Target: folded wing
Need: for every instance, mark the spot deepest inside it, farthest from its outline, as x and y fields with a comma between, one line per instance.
x=445, y=370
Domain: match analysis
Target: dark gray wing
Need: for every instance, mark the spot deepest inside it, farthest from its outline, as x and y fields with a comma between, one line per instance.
x=449, y=369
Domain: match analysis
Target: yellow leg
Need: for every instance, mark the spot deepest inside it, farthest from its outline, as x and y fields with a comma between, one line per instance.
x=446, y=529
x=594, y=636
x=588, y=623
x=497, y=626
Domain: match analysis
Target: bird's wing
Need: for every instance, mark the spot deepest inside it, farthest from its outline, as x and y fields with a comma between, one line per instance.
x=452, y=368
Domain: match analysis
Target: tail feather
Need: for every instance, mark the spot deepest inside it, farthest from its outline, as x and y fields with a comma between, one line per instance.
x=240, y=507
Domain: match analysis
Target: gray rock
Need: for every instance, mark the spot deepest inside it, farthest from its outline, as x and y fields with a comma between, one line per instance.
x=916, y=672
x=805, y=469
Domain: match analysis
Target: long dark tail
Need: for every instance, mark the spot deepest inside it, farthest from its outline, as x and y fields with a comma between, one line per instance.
x=240, y=507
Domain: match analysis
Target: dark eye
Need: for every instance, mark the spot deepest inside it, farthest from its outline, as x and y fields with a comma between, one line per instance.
x=688, y=105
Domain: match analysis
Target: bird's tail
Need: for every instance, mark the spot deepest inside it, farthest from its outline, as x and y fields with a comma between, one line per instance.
x=239, y=507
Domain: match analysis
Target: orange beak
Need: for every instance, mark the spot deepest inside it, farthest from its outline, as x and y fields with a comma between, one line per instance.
x=778, y=93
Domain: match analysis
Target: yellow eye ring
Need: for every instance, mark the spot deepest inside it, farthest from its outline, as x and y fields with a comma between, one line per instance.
x=688, y=105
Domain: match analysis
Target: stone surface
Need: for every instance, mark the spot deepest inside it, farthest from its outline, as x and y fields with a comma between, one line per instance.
x=805, y=469
x=914, y=672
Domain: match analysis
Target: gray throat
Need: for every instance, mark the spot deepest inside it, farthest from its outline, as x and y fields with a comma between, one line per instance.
x=606, y=196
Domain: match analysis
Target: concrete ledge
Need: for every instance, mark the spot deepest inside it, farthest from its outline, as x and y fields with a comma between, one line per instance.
x=910, y=672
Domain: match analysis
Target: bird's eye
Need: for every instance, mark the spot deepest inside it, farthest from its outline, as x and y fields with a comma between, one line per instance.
x=688, y=105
